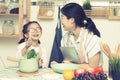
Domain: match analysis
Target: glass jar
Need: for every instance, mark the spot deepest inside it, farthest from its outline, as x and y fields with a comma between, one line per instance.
x=3, y=6
x=13, y=6
x=2, y=3
x=8, y=27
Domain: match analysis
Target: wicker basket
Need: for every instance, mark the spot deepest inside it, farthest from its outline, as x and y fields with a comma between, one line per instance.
x=3, y=9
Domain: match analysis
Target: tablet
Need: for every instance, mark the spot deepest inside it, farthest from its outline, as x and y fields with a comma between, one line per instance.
x=70, y=54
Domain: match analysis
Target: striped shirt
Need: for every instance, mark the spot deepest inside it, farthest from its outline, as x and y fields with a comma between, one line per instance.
x=90, y=43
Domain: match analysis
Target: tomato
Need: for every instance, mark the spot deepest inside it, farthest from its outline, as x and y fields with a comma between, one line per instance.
x=90, y=70
x=98, y=69
x=79, y=71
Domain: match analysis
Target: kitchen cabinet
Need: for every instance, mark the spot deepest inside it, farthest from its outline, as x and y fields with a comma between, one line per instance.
x=17, y=18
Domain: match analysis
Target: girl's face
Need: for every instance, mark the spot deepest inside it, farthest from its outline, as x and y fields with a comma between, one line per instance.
x=34, y=31
x=68, y=24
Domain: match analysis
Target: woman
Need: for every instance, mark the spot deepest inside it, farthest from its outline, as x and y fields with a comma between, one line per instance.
x=82, y=34
x=32, y=32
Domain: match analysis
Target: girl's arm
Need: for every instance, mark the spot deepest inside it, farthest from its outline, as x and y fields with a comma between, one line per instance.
x=24, y=50
x=27, y=45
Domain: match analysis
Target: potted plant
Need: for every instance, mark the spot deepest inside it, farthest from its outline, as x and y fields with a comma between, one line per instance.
x=114, y=60
x=87, y=5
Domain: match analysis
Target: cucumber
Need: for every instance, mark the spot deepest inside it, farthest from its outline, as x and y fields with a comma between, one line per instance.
x=31, y=54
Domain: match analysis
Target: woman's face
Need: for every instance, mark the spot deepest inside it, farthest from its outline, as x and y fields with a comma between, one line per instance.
x=34, y=31
x=68, y=24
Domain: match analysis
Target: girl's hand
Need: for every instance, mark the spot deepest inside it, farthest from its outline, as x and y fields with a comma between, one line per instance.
x=29, y=40
x=28, y=43
x=40, y=62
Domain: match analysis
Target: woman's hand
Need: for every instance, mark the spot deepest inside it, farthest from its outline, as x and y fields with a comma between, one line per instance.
x=66, y=61
x=53, y=62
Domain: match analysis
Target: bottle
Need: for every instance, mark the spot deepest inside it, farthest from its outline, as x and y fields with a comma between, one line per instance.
x=111, y=8
x=8, y=27
x=2, y=3
x=115, y=11
x=13, y=7
x=118, y=8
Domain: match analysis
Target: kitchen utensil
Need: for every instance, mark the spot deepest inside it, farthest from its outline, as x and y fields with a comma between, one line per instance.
x=12, y=59
x=22, y=74
x=26, y=65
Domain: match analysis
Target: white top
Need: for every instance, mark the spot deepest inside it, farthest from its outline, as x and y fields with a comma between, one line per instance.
x=44, y=55
x=91, y=43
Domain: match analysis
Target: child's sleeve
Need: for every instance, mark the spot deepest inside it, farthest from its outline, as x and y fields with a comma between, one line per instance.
x=19, y=50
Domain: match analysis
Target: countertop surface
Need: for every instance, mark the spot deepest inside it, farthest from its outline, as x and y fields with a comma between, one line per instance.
x=11, y=74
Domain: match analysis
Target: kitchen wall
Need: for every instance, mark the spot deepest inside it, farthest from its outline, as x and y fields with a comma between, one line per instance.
x=109, y=31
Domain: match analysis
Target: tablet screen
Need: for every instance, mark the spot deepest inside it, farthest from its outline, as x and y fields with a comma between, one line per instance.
x=70, y=54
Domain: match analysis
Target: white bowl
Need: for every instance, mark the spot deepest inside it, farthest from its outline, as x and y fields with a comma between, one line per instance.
x=59, y=67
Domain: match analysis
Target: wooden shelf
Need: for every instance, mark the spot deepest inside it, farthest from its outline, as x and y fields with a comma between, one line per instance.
x=9, y=14
x=8, y=36
x=46, y=13
x=97, y=12
x=114, y=17
x=20, y=19
x=104, y=12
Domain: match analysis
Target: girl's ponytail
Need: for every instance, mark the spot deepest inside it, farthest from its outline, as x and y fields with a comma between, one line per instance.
x=21, y=41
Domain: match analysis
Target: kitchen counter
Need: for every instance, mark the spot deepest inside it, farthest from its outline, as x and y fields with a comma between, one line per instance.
x=11, y=74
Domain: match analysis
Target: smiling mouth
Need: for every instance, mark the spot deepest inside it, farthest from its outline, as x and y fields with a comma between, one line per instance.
x=36, y=35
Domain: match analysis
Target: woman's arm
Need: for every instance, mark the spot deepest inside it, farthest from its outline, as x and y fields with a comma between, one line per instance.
x=92, y=62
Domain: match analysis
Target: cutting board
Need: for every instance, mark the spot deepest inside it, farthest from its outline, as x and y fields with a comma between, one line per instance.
x=22, y=74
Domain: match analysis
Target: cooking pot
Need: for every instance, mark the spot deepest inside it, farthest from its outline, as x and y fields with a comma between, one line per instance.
x=26, y=65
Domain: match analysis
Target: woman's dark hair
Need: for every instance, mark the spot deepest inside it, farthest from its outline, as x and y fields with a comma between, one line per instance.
x=25, y=30
x=74, y=10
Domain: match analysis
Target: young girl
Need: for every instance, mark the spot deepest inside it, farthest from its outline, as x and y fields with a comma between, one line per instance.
x=32, y=32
